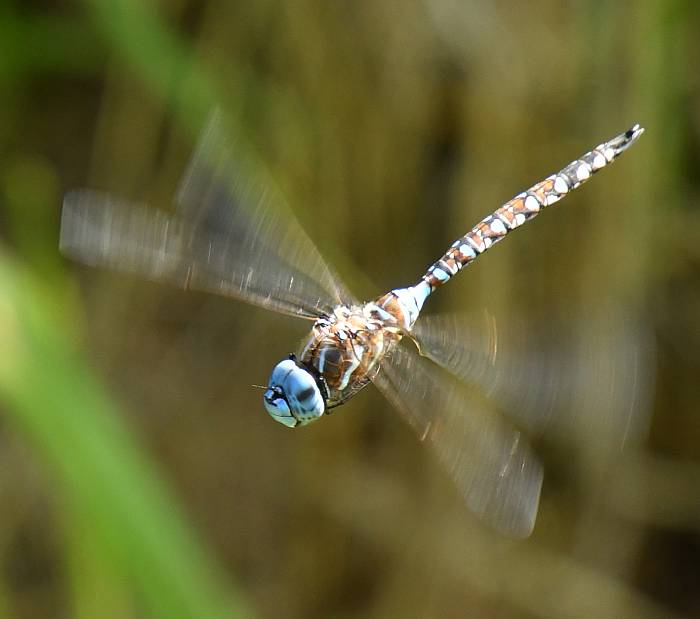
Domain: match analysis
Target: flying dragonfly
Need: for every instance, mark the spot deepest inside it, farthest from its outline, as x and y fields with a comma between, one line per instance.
x=231, y=234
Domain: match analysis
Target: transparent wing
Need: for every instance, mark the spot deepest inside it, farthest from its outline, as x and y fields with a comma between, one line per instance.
x=533, y=373
x=232, y=234
x=476, y=350
x=491, y=463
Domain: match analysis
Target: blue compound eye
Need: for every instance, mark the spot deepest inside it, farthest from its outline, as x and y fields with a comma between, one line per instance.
x=278, y=408
x=306, y=394
x=293, y=397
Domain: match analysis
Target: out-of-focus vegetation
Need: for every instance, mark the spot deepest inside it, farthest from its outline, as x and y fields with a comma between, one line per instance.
x=139, y=474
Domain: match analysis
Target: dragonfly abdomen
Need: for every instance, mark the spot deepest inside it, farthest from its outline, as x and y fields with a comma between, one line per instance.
x=525, y=206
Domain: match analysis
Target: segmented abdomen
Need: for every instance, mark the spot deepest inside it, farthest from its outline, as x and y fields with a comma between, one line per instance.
x=526, y=206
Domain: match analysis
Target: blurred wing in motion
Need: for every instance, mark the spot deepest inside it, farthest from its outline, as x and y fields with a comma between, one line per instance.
x=543, y=377
x=491, y=463
x=232, y=235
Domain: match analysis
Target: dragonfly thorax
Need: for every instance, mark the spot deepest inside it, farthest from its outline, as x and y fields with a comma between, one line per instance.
x=341, y=355
x=345, y=348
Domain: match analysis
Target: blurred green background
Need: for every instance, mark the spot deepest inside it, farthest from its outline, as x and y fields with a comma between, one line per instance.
x=139, y=474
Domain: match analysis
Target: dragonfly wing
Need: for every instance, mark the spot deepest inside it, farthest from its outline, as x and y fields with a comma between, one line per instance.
x=225, y=194
x=232, y=234
x=474, y=349
x=491, y=463
x=533, y=373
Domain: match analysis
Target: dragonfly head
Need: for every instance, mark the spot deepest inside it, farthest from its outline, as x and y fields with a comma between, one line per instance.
x=292, y=396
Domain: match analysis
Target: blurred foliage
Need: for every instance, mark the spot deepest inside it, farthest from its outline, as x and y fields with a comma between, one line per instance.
x=392, y=129
x=112, y=499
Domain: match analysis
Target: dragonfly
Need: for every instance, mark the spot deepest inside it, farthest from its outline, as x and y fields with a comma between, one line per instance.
x=232, y=233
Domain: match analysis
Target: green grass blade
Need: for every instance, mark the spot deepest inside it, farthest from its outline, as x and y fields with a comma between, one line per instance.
x=103, y=474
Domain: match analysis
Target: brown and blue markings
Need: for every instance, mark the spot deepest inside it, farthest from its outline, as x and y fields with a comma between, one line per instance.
x=525, y=206
x=227, y=236
x=344, y=350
